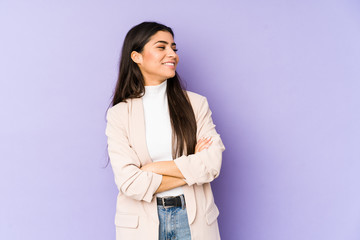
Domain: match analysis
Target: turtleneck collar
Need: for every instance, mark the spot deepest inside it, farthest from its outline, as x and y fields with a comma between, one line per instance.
x=156, y=89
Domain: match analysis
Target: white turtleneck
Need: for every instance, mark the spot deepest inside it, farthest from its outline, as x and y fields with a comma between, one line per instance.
x=158, y=128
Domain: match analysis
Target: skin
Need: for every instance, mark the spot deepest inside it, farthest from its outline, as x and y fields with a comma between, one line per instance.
x=161, y=49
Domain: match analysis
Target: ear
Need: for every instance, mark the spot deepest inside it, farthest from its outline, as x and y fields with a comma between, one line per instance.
x=136, y=57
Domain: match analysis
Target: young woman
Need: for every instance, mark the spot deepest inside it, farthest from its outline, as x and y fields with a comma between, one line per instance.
x=162, y=143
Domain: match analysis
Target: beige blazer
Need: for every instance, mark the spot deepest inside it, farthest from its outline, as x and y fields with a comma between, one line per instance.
x=136, y=214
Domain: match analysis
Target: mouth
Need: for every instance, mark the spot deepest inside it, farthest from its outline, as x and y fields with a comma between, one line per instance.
x=172, y=64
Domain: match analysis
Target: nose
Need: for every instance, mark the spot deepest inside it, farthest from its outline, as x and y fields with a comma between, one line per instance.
x=171, y=53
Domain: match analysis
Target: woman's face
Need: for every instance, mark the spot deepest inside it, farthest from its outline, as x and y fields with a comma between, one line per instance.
x=158, y=60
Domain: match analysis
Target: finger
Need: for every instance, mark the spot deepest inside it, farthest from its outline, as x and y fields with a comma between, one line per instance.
x=201, y=144
x=208, y=143
x=204, y=140
x=205, y=146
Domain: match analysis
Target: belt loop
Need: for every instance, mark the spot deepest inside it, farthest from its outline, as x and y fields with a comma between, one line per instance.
x=182, y=201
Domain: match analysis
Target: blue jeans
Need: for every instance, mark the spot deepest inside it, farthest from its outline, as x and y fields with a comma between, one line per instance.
x=173, y=223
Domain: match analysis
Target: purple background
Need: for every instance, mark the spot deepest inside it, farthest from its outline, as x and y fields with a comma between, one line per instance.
x=282, y=80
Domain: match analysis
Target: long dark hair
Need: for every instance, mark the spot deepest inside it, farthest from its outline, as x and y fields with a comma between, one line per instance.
x=130, y=84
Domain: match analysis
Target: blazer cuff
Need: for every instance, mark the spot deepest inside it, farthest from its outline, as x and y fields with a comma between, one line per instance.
x=182, y=164
x=155, y=183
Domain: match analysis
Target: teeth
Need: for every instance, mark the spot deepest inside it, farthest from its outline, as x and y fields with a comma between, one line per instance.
x=170, y=64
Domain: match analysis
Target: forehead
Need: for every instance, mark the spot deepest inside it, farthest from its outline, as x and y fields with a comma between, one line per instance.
x=162, y=36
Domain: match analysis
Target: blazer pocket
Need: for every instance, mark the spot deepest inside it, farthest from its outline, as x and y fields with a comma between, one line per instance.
x=211, y=214
x=126, y=220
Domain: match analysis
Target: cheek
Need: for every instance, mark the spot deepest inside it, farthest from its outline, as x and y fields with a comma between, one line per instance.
x=151, y=58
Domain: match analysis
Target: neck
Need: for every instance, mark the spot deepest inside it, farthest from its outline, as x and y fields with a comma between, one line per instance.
x=153, y=82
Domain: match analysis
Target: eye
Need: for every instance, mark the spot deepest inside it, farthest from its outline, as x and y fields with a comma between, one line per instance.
x=162, y=48
x=175, y=50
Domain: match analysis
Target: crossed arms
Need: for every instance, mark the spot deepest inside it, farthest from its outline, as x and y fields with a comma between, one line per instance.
x=172, y=176
x=142, y=182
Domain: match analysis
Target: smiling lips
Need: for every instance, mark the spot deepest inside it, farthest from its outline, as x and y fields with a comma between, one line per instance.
x=172, y=64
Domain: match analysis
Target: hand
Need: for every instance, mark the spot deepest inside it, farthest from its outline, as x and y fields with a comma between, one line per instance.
x=202, y=144
x=148, y=167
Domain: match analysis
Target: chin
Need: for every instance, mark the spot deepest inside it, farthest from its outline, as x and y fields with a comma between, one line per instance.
x=167, y=74
x=171, y=75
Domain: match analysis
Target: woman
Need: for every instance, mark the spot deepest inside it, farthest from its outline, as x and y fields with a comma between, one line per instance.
x=159, y=144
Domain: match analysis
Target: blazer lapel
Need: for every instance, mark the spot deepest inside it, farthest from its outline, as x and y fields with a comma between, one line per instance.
x=138, y=138
x=137, y=130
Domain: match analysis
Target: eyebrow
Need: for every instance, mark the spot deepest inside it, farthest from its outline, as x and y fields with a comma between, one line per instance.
x=165, y=42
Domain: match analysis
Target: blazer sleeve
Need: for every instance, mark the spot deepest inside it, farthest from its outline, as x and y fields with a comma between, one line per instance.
x=129, y=178
x=204, y=166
